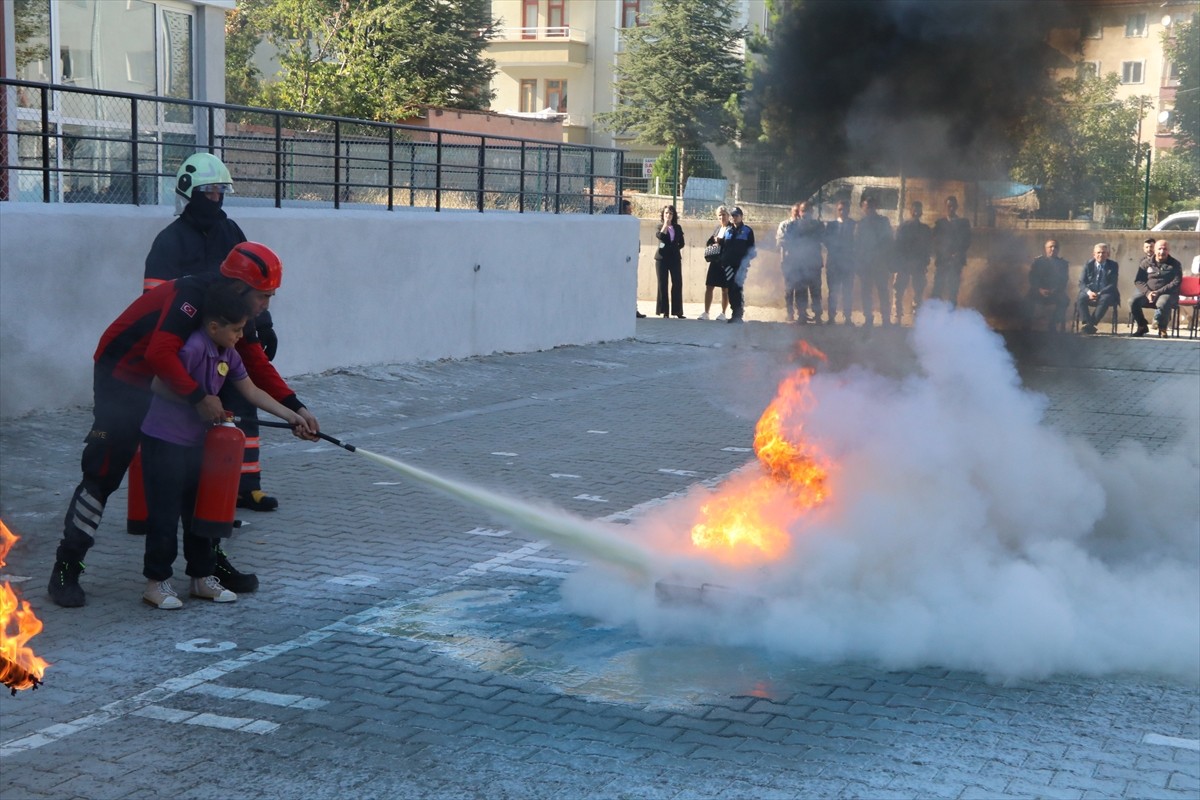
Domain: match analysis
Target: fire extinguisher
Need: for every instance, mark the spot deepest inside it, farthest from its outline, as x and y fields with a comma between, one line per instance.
x=220, y=472
x=137, y=516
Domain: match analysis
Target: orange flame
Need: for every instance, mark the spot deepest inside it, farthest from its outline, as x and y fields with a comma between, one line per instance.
x=751, y=523
x=20, y=668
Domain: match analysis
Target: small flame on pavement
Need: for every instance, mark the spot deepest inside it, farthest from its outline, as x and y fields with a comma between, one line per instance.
x=20, y=667
x=749, y=523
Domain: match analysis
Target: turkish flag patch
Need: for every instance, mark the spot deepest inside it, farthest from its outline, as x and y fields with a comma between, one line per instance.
x=188, y=309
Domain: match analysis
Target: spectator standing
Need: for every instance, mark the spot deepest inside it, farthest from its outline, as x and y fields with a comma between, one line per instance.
x=799, y=241
x=839, y=262
x=951, y=240
x=668, y=262
x=737, y=252
x=1048, y=286
x=173, y=448
x=914, y=247
x=1097, y=288
x=1156, y=285
x=874, y=250
x=197, y=242
x=715, y=279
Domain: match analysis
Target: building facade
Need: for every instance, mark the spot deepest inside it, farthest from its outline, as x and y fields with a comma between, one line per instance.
x=559, y=57
x=1126, y=37
x=160, y=48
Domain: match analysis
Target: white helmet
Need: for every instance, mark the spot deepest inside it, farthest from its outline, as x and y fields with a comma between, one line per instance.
x=200, y=171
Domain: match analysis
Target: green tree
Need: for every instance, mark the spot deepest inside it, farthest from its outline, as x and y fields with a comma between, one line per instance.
x=1174, y=183
x=1084, y=149
x=243, y=79
x=1182, y=45
x=373, y=59
x=680, y=76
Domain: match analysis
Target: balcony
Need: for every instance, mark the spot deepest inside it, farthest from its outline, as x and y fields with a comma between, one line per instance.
x=538, y=47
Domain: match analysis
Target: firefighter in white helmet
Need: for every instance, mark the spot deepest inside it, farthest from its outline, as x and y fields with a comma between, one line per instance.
x=196, y=243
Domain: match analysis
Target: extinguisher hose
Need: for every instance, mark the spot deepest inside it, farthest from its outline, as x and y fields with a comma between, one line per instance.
x=270, y=424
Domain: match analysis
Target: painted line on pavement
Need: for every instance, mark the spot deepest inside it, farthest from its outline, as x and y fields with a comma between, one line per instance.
x=351, y=623
x=175, y=715
x=258, y=696
x=1171, y=741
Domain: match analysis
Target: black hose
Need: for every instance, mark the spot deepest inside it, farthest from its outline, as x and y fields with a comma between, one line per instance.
x=269, y=424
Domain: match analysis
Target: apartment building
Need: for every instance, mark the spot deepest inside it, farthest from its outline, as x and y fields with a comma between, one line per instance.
x=559, y=57
x=1126, y=37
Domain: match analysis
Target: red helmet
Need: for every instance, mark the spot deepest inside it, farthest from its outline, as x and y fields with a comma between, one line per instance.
x=254, y=264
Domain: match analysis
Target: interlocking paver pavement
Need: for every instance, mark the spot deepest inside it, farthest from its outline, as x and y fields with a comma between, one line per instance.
x=406, y=646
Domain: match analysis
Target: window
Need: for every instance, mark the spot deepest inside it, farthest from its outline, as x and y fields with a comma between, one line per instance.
x=529, y=95
x=1131, y=71
x=887, y=198
x=143, y=47
x=32, y=23
x=556, y=18
x=1088, y=69
x=1092, y=29
x=556, y=96
x=1135, y=25
x=176, y=38
x=529, y=19
x=631, y=12
x=1172, y=73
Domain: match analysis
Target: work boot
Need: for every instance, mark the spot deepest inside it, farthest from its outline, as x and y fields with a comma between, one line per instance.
x=258, y=500
x=64, y=585
x=229, y=577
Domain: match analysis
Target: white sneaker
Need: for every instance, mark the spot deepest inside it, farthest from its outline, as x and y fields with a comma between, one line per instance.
x=703, y=315
x=209, y=588
x=161, y=594
x=722, y=317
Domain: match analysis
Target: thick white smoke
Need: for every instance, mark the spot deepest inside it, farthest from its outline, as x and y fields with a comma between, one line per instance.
x=962, y=532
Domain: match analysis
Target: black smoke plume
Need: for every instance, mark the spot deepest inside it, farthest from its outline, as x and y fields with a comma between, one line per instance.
x=929, y=88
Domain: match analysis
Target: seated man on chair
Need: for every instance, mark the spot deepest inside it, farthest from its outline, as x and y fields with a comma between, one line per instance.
x=1097, y=288
x=1156, y=284
x=1048, y=286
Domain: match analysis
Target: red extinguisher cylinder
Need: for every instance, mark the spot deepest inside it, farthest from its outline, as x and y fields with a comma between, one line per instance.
x=220, y=472
x=135, y=518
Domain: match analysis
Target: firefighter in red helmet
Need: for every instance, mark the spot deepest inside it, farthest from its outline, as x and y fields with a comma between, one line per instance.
x=141, y=344
x=197, y=242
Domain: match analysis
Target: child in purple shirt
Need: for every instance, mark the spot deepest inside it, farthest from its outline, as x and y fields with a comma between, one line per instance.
x=173, y=447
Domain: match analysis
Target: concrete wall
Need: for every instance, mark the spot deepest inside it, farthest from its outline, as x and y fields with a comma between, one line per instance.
x=995, y=280
x=359, y=287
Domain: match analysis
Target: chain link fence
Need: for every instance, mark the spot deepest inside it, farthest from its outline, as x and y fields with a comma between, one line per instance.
x=1124, y=200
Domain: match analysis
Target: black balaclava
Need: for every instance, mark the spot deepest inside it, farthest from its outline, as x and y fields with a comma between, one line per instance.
x=202, y=212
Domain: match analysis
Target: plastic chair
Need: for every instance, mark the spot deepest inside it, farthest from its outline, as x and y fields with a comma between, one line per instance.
x=1189, y=298
x=1075, y=317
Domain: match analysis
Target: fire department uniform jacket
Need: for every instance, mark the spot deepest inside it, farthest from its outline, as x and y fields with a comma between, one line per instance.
x=144, y=341
x=190, y=246
x=195, y=243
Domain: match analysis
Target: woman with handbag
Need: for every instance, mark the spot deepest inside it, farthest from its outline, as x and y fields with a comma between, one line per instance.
x=716, y=273
x=668, y=261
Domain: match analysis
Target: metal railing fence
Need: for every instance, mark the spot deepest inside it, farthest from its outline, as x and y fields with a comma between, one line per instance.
x=68, y=144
